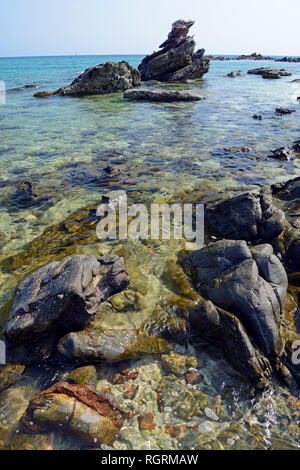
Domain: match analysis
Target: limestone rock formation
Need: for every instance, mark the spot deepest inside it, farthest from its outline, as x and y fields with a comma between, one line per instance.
x=104, y=78
x=176, y=61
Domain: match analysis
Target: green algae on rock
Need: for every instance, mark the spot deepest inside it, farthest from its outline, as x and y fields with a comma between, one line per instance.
x=9, y=375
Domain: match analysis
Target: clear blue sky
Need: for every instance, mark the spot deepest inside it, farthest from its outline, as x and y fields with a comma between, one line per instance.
x=63, y=27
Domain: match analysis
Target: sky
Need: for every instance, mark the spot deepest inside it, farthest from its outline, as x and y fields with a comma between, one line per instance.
x=68, y=27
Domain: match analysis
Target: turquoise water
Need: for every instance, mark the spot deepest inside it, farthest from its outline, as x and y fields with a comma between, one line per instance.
x=168, y=152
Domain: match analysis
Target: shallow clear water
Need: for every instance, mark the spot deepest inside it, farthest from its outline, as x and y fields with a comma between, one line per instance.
x=168, y=151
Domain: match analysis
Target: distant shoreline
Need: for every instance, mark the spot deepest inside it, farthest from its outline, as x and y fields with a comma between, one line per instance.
x=134, y=55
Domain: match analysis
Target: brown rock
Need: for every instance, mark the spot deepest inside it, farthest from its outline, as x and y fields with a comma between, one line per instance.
x=193, y=378
x=146, y=422
x=10, y=374
x=77, y=410
x=131, y=391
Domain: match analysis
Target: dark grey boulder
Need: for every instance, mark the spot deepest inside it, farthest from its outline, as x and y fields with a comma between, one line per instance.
x=288, y=193
x=160, y=94
x=269, y=73
x=284, y=111
x=225, y=330
x=248, y=216
x=176, y=60
x=110, y=77
x=227, y=273
x=62, y=297
x=289, y=152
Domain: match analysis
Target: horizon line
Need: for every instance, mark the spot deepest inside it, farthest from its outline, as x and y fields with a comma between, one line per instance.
x=134, y=54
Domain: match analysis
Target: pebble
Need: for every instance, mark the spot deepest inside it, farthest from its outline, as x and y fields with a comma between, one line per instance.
x=204, y=428
x=30, y=217
x=211, y=414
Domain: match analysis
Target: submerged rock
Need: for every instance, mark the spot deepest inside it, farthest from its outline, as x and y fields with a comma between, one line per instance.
x=23, y=87
x=160, y=94
x=77, y=410
x=176, y=60
x=177, y=364
x=27, y=195
x=110, y=77
x=62, y=297
x=9, y=375
x=86, y=375
x=95, y=345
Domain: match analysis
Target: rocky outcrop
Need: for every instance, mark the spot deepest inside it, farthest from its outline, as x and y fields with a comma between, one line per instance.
x=283, y=111
x=289, y=152
x=248, y=289
x=62, y=297
x=289, y=195
x=270, y=73
x=77, y=410
x=231, y=276
x=160, y=94
x=289, y=59
x=248, y=216
x=23, y=87
x=176, y=61
x=253, y=56
x=110, y=77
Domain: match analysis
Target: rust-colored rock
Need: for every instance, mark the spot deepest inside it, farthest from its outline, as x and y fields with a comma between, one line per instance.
x=174, y=431
x=76, y=409
x=194, y=378
x=146, y=422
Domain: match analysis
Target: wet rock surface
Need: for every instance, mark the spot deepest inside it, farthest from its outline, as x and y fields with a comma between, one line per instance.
x=62, y=297
x=23, y=87
x=96, y=345
x=289, y=152
x=251, y=284
x=176, y=61
x=9, y=375
x=161, y=95
x=248, y=216
x=75, y=409
x=270, y=73
x=110, y=77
